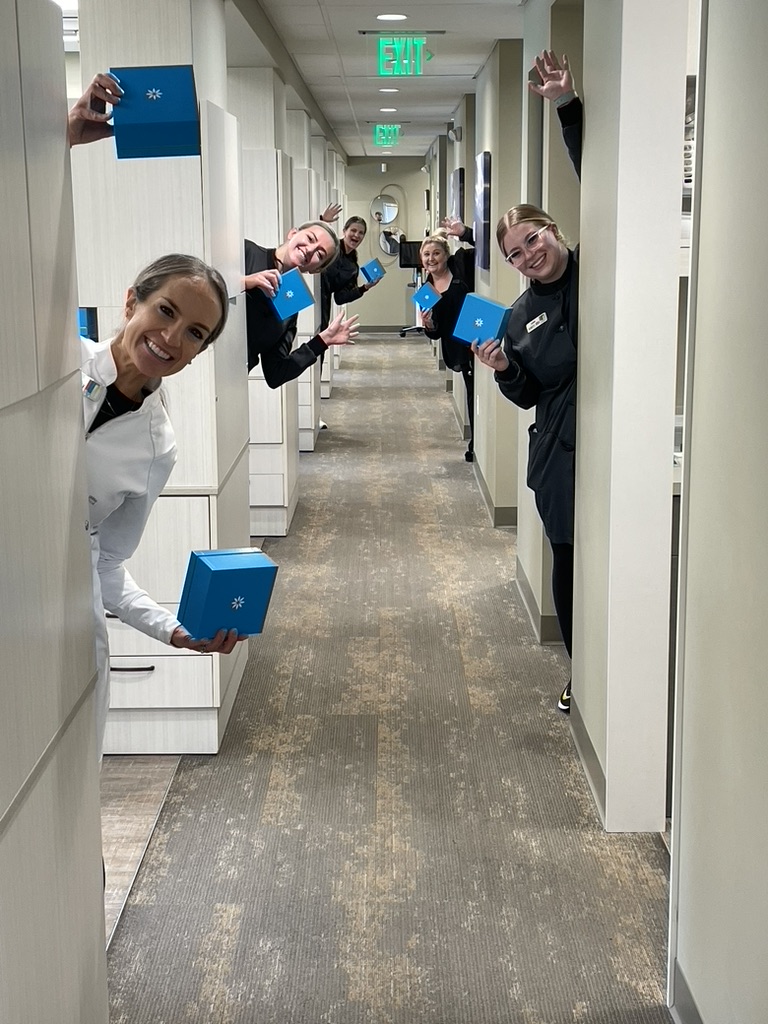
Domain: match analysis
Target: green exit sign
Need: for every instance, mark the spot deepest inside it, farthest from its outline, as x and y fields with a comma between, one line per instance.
x=402, y=55
x=386, y=134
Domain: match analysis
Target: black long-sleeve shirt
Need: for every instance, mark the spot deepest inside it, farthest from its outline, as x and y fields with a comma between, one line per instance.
x=339, y=281
x=445, y=313
x=541, y=345
x=270, y=339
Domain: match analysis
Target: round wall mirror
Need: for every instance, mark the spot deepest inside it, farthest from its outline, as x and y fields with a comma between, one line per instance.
x=384, y=209
x=389, y=241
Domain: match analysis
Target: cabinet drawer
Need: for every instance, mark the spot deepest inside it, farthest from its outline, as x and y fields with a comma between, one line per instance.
x=164, y=682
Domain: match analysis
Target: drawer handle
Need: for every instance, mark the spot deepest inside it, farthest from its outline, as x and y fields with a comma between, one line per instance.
x=138, y=668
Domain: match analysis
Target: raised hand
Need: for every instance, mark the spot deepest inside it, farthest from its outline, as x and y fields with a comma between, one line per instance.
x=87, y=120
x=268, y=281
x=453, y=226
x=556, y=79
x=340, y=331
x=331, y=213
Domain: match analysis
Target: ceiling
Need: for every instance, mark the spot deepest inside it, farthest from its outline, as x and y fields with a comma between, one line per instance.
x=327, y=52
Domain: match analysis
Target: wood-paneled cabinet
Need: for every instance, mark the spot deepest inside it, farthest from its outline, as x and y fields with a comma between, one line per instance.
x=274, y=413
x=163, y=700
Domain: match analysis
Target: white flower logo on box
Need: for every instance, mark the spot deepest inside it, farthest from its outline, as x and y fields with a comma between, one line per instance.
x=238, y=603
x=154, y=94
x=289, y=295
x=478, y=321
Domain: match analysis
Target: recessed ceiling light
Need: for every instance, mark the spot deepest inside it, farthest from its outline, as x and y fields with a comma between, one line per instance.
x=388, y=110
x=391, y=17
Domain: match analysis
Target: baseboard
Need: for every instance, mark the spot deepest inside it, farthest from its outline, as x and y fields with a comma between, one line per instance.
x=589, y=760
x=683, y=1009
x=501, y=515
x=546, y=627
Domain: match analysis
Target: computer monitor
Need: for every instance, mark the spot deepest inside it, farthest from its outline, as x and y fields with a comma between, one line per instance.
x=409, y=258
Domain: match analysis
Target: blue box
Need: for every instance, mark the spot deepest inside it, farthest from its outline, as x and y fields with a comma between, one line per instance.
x=372, y=271
x=293, y=295
x=158, y=113
x=481, y=320
x=228, y=589
x=426, y=297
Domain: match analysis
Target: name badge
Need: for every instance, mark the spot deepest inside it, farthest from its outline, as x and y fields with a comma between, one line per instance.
x=93, y=391
x=536, y=322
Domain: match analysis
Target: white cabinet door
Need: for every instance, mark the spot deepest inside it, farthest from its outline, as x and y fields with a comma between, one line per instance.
x=176, y=526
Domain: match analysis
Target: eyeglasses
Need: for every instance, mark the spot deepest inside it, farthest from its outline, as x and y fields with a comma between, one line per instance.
x=533, y=240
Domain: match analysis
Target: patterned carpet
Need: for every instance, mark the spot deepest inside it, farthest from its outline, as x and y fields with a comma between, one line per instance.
x=397, y=828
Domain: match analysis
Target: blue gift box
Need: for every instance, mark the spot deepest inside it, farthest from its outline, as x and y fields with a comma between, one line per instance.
x=158, y=113
x=480, y=320
x=426, y=297
x=228, y=589
x=293, y=295
x=372, y=271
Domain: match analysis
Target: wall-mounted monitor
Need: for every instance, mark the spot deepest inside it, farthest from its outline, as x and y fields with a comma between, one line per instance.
x=409, y=257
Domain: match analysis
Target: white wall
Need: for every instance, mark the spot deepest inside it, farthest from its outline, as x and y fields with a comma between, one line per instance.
x=498, y=130
x=720, y=820
x=52, y=962
x=388, y=304
x=630, y=230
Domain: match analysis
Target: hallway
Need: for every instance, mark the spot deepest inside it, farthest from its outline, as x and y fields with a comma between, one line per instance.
x=397, y=828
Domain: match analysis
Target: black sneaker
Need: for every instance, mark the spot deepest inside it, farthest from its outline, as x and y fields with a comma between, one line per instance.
x=469, y=455
x=564, y=700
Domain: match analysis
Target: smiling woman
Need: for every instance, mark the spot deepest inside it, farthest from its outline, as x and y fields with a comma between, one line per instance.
x=311, y=248
x=174, y=310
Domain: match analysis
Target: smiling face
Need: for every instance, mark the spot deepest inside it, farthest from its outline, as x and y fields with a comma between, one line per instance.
x=354, y=233
x=307, y=248
x=164, y=332
x=535, y=251
x=433, y=258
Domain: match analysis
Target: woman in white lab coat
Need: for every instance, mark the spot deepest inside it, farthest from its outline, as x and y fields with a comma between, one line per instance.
x=175, y=309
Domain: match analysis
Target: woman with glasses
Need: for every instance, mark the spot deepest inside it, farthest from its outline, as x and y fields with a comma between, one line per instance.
x=535, y=365
x=311, y=247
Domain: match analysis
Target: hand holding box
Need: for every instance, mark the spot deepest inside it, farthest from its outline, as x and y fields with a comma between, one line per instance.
x=481, y=320
x=372, y=271
x=426, y=297
x=293, y=295
x=228, y=589
x=157, y=115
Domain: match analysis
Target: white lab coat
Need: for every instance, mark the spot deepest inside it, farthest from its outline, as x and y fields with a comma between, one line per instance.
x=128, y=461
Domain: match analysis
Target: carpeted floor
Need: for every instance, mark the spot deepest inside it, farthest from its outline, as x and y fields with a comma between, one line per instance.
x=396, y=829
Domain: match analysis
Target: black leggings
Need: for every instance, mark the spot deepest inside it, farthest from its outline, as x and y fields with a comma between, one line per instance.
x=467, y=372
x=562, y=590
